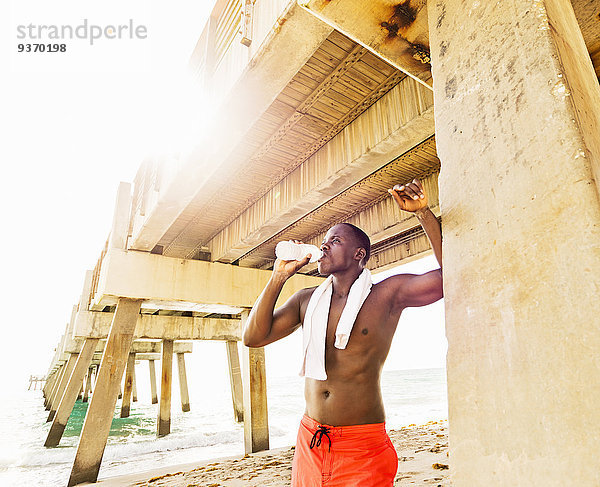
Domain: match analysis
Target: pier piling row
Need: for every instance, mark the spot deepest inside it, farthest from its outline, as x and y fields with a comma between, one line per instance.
x=297, y=146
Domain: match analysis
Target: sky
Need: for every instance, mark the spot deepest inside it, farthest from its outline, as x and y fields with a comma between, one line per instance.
x=77, y=123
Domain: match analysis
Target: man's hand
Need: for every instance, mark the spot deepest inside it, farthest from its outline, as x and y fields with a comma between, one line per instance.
x=287, y=268
x=410, y=197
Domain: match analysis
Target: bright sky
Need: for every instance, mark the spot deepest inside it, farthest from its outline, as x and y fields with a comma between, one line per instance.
x=74, y=125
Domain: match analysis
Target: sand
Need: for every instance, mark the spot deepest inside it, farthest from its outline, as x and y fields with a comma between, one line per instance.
x=422, y=460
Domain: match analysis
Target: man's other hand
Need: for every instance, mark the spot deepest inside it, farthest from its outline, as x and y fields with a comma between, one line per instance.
x=410, y=197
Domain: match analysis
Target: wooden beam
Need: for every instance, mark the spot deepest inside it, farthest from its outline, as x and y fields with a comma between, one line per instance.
x=100, y=411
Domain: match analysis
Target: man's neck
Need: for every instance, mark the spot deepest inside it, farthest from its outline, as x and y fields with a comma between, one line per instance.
x=342, y=281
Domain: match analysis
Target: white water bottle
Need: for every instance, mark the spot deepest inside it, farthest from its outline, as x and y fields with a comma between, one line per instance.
x=288, y=250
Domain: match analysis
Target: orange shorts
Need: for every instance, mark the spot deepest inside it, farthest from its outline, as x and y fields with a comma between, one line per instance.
x=361, y=455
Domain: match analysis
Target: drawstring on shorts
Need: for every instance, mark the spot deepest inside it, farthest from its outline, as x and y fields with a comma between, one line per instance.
x=321, y=430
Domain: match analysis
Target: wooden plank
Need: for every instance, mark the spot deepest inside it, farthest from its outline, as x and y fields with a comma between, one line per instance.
x=371, y=72
x=341, y=40
x=235, y=379
x=333, y=50
x=337, y=107
x=378, y=64
x=363, y=79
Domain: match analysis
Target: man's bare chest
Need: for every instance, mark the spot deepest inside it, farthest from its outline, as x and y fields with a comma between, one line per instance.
x=374, y=323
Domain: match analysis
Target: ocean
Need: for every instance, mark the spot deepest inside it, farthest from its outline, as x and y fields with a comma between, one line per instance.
x=207, y=431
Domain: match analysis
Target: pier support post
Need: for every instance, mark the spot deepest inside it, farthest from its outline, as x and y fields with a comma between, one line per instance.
x=58, y=377
x=256, y=423
x=126, y=404
x=235, y=380
x=63, y=385
x=517, y=111
x=70, y=396
x=183, y=386
x=134, y=397
x=49, y=389
x=152, y=370
x=88, y=385
x=102, y=405
x=164, y=410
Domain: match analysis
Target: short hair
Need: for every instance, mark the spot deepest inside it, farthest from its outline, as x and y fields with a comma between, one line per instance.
x=362, y=239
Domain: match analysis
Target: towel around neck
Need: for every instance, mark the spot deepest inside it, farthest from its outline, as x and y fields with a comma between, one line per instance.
x=315, y=322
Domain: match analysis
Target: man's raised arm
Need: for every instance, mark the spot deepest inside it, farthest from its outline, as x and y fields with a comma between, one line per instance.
x=266, y=324
x=427, y=288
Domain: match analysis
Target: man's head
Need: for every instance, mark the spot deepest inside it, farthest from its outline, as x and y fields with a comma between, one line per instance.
x=344, y=246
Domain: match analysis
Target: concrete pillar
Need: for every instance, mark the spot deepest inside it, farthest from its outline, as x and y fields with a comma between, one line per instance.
x=256, y=422
x=517, y=111
x=152, y=370
x=101, y=409
x=235, y=380
x=88, y=385
x=126, y=404
x=164, y=409
x=64, y=380
x=134, y=397
x=58, y=377
x=183, y=387
x=69, y=397
x=48, y=389
x=120, y=395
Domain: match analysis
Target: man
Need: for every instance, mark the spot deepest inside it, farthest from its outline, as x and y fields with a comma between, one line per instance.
x=342, y=439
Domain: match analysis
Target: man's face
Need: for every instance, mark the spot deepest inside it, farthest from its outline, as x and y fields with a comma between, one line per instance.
x=339, y=250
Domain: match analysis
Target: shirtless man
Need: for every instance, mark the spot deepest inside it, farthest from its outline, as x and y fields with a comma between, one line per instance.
x=342, y=438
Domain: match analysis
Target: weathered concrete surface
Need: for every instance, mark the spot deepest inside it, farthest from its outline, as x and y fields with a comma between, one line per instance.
x=235, y=380
x=516, y=107
x=60, y=390
x=69, y=397
x=183, y=386
x=97, y=325
x=256, y=417
x=140, y=275
x=128, y=389
x=152, y=371
x=100, y=411
x=88, y=385
x=164, y=409
x=396, y=31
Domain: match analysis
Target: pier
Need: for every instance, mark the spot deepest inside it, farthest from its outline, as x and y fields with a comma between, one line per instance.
x=324, y=105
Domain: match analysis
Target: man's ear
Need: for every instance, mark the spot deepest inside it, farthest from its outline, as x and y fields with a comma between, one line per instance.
x=361, y=253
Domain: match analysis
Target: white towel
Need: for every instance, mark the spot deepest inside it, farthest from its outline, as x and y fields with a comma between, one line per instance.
x=315, y=322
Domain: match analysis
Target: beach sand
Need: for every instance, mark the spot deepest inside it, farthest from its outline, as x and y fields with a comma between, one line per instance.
x=422, y=460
